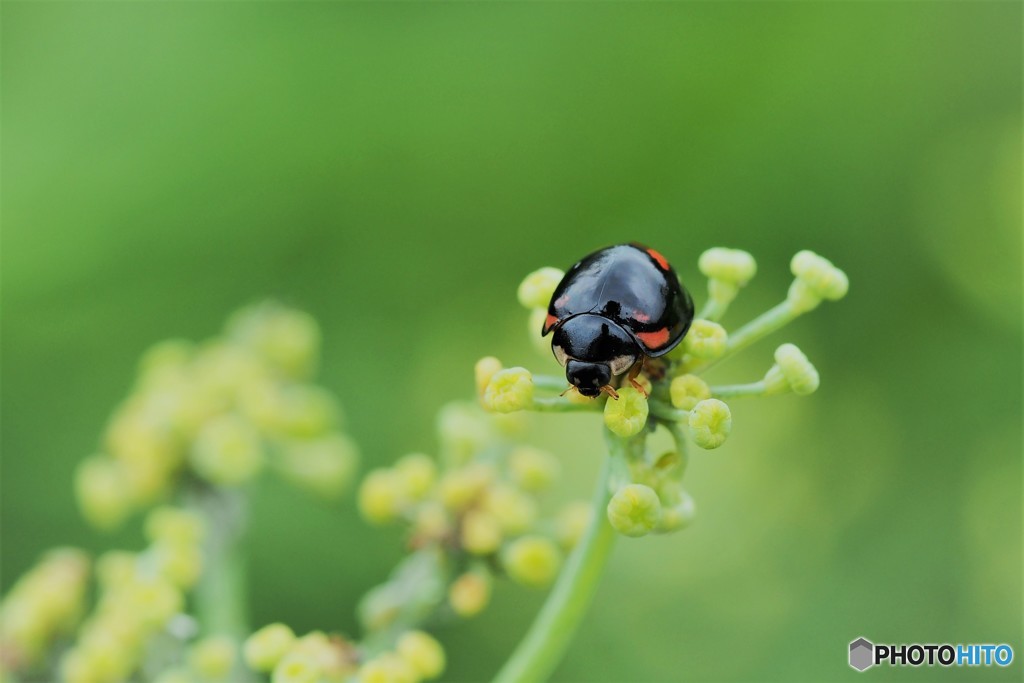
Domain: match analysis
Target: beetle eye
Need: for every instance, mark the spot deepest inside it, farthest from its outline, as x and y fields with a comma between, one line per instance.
x=620, y=364
x=560, y=354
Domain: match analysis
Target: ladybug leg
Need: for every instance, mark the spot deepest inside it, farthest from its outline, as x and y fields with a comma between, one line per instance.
x=634, y=373
x=606, y=389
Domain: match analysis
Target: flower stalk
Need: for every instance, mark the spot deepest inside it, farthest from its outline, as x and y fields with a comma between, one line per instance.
x=548, y=638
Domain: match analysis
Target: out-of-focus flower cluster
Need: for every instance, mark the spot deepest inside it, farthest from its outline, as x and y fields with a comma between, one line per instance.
x=223, y=410
x=45, y=603
x=472, y=515
x=139, y=594
x=201, y=421
x=647, y=494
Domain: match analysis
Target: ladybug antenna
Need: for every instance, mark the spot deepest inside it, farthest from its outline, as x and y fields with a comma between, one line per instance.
x=607, y=389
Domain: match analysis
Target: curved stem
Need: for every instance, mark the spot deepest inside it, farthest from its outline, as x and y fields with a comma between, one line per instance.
x=544, y=644
x=758, y=328
x=739, y=390
x=563, y=405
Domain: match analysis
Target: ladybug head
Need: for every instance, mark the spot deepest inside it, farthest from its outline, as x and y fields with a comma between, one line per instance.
x=588, y=378
x=593, y=349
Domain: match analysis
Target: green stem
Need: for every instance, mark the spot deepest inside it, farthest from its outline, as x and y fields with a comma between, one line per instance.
x=550, y=383
x=739, y=390
x=221, y=597
x=758, y=328
x=713, y=310
x=667, y=413
x=679, y=438
x=561, y=405
x=548, y=638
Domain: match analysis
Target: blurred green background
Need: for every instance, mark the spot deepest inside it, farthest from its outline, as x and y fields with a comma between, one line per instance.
x=395, y=169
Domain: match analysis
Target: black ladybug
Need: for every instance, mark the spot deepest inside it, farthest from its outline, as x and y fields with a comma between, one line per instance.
x=611, y=311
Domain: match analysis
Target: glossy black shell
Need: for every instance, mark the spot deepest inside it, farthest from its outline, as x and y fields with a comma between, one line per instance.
x=634, y=287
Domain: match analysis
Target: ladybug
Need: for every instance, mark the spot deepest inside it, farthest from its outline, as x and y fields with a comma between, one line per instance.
x=613, y=310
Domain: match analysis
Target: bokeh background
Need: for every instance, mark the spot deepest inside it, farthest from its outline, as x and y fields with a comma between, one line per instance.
x=395, y=169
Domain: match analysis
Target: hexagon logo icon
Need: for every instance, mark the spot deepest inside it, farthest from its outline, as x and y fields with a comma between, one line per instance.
x=862, y=654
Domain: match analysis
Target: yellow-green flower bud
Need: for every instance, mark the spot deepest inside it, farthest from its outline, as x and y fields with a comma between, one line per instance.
x=509, y=390
x=710, y=423
x=154, y=601
x=532, y=469
x=535, y=291
x=103, y=493
x=324, y=466
x=484, y=370
x=265, y=648
x=534, y=325
x=572, y=521
x=459, y=488
x=381, y=496
x=75, y=667
x=174, y=526
x=304, y=411
x=432, y=520
x=687, y=391
x=107, y=658
x=792, y=371
x=470, y=593
x=297, y=667
x=328, y=653
x=388, y=668
x=727, y=265
x=116, y=568
x=178, y=563
x=287, y=338
x=175, y=676
x=532, y=560
x=463, y=430
x=706, y=340
x=634, y=510
x=147, y=480
x=419, y=473
x=165, y=361
x=820, y=276
x=227, y=451
x=139, y=432
x=481, y=532
x=45, y=602
x=422, y=652
x=514, y=510
x=213, y=658
x=627, y=415
x=679, y=515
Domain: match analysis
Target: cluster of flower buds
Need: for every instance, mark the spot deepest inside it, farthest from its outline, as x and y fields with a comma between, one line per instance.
x=140, y=594
x=45, y=603
x=647, y=494
x=223, y=410
x=313, y=658
x=473, y=514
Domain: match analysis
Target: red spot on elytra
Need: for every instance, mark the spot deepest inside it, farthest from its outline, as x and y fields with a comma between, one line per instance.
x=654, y=340
x=659, y=258
x=550, y=322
